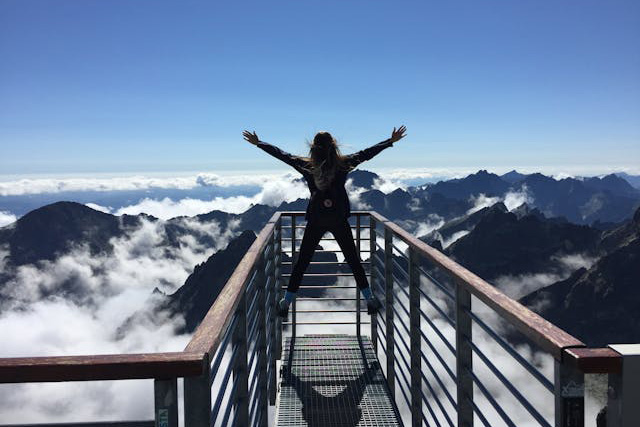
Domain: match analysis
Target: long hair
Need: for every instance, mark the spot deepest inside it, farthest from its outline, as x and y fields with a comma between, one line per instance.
x=325, y=159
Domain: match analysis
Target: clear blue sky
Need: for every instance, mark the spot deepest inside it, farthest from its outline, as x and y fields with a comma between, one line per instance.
x=150, y=85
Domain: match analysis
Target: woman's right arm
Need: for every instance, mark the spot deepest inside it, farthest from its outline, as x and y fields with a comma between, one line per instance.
x=294, y=161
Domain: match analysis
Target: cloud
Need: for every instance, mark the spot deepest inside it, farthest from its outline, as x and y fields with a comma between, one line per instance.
x=129, y=183
x=513, y=199
x=455, y=236
x=481, y=201
x=354, y=196
x=75, y=305
x=388, y=185
x=560, y=268
x=433, y=222
x=100, y=208
x=7, y=218
x=273, y=192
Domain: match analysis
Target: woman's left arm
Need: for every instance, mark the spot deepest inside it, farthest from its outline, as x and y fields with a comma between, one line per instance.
x=353, y=160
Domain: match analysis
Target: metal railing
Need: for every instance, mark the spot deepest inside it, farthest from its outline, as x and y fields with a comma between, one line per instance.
x=442, y=329
x=438, y=336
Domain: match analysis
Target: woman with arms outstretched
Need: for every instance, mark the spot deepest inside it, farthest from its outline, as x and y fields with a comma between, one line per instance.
x=325, y=171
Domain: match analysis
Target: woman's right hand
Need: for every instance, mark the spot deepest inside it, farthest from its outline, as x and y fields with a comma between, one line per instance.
x=251, y=137
x=397, y=135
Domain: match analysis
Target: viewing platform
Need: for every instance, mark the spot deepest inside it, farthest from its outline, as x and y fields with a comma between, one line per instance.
x=447, y=349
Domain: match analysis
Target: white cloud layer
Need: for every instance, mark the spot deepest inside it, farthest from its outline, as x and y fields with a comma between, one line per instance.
x=76, y=304
x=7, y=218
x=511, y=199
x=273, y=192
x=128, y=183
x=560, y=268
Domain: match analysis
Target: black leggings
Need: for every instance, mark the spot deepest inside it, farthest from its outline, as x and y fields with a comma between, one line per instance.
x=313, y=232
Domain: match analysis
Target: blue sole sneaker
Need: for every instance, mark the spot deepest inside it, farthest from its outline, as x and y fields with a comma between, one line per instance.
x=373, y=306
x=282, y=308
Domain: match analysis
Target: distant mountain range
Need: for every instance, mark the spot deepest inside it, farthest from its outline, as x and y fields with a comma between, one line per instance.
x=511, y=225
x=601, y=304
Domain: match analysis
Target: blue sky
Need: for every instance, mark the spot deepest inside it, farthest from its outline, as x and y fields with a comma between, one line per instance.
x=146, y=85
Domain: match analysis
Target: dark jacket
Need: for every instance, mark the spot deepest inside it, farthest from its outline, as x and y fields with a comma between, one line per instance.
x=334, y=201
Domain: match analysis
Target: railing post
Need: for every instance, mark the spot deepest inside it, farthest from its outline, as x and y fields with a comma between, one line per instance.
x=464, y=356
x=278, y=285
x=293, y=261
x=261, y=344
x=414, y=329
x=197, y=398
x=358, y=290
x=166, y=402
x=388, y=279
x=623, y=408
x=274, y=324
x=240, y=371
x=372, y=278
x=569, y=395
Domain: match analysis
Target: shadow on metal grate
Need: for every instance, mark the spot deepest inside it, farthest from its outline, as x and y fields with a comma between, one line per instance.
x=333, y=380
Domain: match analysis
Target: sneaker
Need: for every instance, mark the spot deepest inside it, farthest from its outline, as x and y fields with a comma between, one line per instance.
x=282, y=308
x=373, y=305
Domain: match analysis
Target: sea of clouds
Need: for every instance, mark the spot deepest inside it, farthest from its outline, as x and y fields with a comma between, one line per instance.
x=76, y=304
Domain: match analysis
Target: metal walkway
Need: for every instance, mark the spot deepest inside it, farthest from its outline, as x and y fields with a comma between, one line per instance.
x=333, y=380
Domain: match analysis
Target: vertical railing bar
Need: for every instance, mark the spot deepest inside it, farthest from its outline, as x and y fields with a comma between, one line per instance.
x=166, y=402
x=240, y=369
x=271, y=314
x=569, y=395
x=358, y=316
x=414, y=331
x=261, y=344
x=197, y=398
x=293, y=261
x=372, y=270
x=464, y=356
x=278, y=294
x=391, y=377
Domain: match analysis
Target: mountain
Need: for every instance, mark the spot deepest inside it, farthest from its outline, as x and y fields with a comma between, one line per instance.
x=599, y=305
x=363, y=178
x=464, y=223
x=202, y=287
x=503, y=244
x=613, y=184
x=604, y=200
x=49, y=231
x=481, y=182
x=513, y=177
x=634, y=180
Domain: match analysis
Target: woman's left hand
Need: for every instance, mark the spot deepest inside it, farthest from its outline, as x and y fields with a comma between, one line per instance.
x=396, y=135
x=251, y=137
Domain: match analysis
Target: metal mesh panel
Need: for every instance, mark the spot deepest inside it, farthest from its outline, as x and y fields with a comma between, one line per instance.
x=333, y=380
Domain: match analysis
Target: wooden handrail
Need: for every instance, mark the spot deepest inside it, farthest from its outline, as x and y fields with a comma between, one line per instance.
x=595, y=360
x=101, y=367
x=544, y=333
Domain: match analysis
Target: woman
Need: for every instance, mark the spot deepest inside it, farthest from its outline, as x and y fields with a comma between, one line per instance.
x=325, y=171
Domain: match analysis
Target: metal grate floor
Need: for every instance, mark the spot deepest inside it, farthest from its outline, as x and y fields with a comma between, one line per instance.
x=333, y=380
